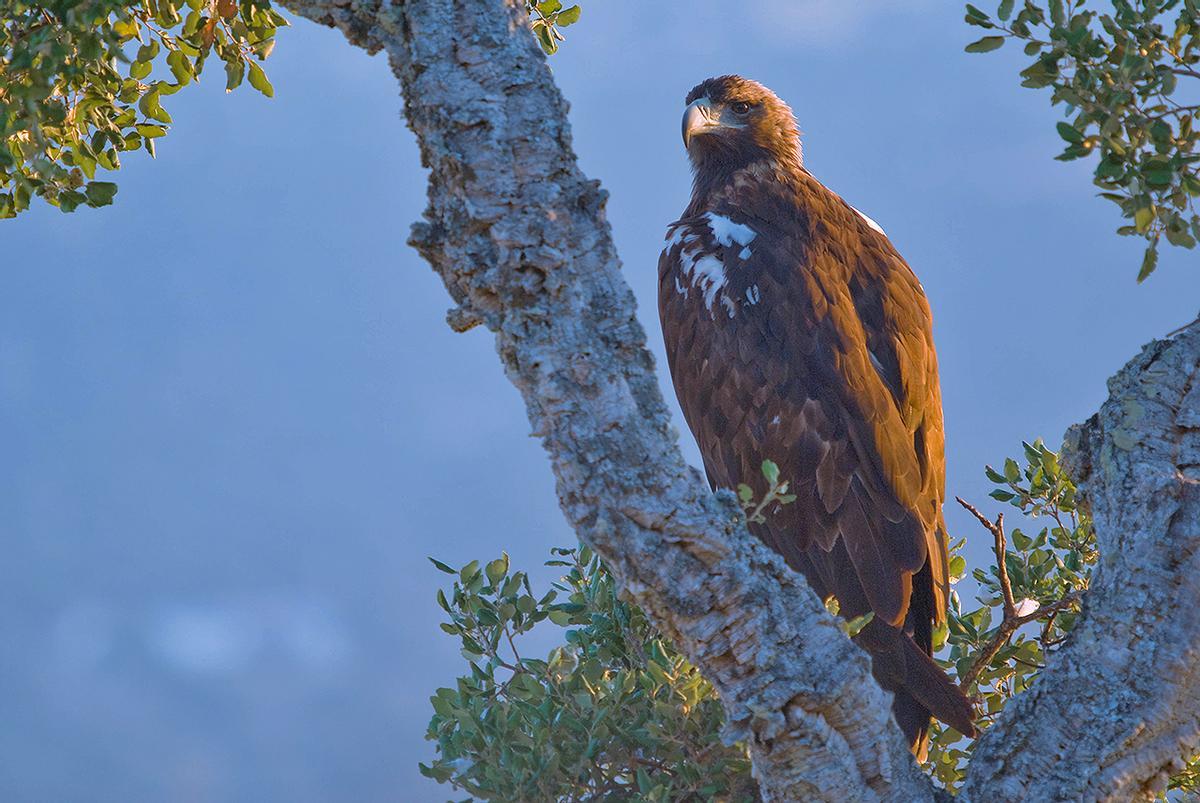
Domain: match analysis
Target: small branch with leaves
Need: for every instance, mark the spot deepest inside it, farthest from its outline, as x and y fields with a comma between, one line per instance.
x=90, y=88
x=618, y=711
x=1033, y=578
x=1117, y=74
x=614, y=712
x=546, y=18
x=1016, y=615
x=777, y=495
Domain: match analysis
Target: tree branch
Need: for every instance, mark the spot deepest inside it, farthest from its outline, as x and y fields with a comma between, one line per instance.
x=1012, y=622
x=1117, y=709
x=996, y=528
x=520, y=239
x=519, y=236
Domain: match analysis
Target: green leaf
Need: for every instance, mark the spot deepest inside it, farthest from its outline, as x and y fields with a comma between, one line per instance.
x=181, y=68
x=771, y=472
x=568, y=16
x=150, y=106
x=1181, y=238
x=235, y=71
x=442, y=566
x=468, y=572
x=100, y=193
x=855, y=625
x=69, y=201
x=1143, y=218
x=1149, y=262
x=497, y=569
x=1012, y=472
x=545, y=38
x=258, y=80
x=986, y=44
x=148, y=51
x=1070, y=133
x=1162, y=177
x=975, y=15
x=148, y=102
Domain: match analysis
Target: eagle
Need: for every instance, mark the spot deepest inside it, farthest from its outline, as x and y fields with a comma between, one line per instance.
x=796, y=333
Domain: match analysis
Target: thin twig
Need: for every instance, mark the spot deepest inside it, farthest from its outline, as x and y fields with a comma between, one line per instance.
x=997, y=530
x=1011, y=622
x=1006, y=630
x=1174, y=332
x=1044, y=638
x=512, y=644
x=1177, y=110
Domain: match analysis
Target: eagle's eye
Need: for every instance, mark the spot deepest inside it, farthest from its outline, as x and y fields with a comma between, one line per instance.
x=740, y=108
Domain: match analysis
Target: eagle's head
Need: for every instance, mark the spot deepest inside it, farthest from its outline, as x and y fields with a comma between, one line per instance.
x=731, y=122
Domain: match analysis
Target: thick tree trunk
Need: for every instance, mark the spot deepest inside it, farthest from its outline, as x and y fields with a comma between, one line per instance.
x=519, y=236
x=1118, y=709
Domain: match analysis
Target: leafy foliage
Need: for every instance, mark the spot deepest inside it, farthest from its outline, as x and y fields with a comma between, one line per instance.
x=999, y=649
x=1186, y=781
x=546, y=18
x=777, y=495
x=614, y=713
x=618, y=713
x=83, y=81
x=1127, y=79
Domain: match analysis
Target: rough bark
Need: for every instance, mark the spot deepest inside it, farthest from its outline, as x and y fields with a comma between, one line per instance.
x=519, y=237
x=1116, y=711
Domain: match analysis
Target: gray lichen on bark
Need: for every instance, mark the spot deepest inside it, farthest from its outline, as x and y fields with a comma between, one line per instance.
x=519, y=237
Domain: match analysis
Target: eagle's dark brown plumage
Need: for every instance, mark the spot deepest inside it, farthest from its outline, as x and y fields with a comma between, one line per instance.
x=796, y=333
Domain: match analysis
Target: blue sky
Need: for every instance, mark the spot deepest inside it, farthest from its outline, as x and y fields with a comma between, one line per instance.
x=235, y=422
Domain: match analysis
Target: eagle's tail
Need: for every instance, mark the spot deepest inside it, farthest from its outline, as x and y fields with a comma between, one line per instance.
x=932, y=689
x=920, y=686
x=913, y=719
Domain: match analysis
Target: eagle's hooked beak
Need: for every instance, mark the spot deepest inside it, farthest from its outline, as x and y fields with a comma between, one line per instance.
x=699, y=117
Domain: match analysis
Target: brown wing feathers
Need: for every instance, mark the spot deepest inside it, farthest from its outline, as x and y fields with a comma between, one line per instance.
x=796, y=333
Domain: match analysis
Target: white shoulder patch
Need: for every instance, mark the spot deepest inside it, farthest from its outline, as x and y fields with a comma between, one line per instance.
x=726, y=232
x=709, y=273
x=870, y=222
x=701, y=265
